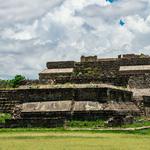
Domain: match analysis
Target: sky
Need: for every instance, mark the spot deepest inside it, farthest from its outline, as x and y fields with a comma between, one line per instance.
x=36, y=31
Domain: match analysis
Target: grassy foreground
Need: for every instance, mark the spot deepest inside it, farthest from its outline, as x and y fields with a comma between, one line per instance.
x=59, y=139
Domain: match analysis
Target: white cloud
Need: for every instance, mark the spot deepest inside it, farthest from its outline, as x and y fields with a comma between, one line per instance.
x=21, y=32
x=138, y=24
x=36, y=31
x=24, y=10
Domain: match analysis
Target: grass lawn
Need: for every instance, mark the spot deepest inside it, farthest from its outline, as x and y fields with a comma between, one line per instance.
x=59, y=139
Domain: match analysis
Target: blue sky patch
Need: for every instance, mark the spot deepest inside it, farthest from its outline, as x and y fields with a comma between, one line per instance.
x=110, y=1
x=122, y=22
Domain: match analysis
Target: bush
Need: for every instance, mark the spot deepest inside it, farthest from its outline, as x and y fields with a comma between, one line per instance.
x=15, y=82
x=86, y=124
x=4, y=116
x=5, y=84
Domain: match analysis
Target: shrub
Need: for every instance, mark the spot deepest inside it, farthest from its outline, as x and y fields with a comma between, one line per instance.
x=4, y=116
x=17, y=81
x=13, y=83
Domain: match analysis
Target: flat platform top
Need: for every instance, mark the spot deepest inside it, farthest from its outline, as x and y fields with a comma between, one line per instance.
x=63, y=106
x=59, y=70
x=135, y=68
x=74, y=86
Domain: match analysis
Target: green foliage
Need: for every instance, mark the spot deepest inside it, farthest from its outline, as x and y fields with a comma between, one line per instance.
x=139, y=122
x=17, y=81
x=13, y=83
x=4, y=116
x=5, y=84
x=88, y=72
x=86, y=124
x=142, y=55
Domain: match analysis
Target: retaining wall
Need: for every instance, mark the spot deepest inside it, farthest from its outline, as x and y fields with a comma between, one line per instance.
x=139, y=81
x=12, y=97
x=60, y=64
x=147, y=105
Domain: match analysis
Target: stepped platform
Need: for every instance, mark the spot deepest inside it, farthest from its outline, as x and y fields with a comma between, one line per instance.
x=34, y=122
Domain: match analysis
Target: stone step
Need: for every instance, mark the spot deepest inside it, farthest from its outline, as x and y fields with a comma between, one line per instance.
x=3, y=98
x=3, y=104
x=35, y=122
x=6, y=100
x=6, y=111
x=7, y=107
x=7, y=104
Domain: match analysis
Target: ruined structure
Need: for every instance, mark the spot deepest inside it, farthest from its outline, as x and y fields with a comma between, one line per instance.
x=78, y=102
x=85, y=90
x=116, y=71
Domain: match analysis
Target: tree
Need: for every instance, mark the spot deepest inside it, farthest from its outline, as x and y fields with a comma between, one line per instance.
x=17, y=81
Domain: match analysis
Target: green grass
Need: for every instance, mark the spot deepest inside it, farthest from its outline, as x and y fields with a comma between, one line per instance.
x=60, y=139
x=62, y=130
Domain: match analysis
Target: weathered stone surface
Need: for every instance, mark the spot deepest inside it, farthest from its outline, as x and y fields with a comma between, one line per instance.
x=34, y=122
x=53, y=106
x=115, y=121
x=83, y=102
x=146, y=101
x=108, y=70
x=140, y=81
x=60, y=64
x=82, y=110
x=119, y=120
x=128, y=119
x=87, y=106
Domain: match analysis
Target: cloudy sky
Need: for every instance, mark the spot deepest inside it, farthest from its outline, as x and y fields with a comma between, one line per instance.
x=33, y=32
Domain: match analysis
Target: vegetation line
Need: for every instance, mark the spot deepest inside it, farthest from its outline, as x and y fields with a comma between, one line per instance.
x=111, y=129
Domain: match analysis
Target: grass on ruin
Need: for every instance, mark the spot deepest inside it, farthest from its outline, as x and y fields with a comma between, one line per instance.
x=139, y=122
x=66, y=85
x=86, y=124
x=61, y=139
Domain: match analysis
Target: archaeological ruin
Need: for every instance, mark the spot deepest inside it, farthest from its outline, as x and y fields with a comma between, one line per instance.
x=94, y=88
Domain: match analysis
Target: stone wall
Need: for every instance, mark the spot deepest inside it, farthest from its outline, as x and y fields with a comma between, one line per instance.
x=139, y=81
x=54, y=78
x=8, y=100
x=134, y=61
x=34, y=122
x=118, y=81
x=80, y=110
x=147, y=105
x=88, y=59
x=95, y=70
x=51, y=107
x=8, y=97
x=31, y=82
x=60, y=64
x=108, y=69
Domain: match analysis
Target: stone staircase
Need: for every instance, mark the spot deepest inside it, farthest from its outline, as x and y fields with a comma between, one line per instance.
x=35, y=122
x=7, y=103
x=138, y=101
